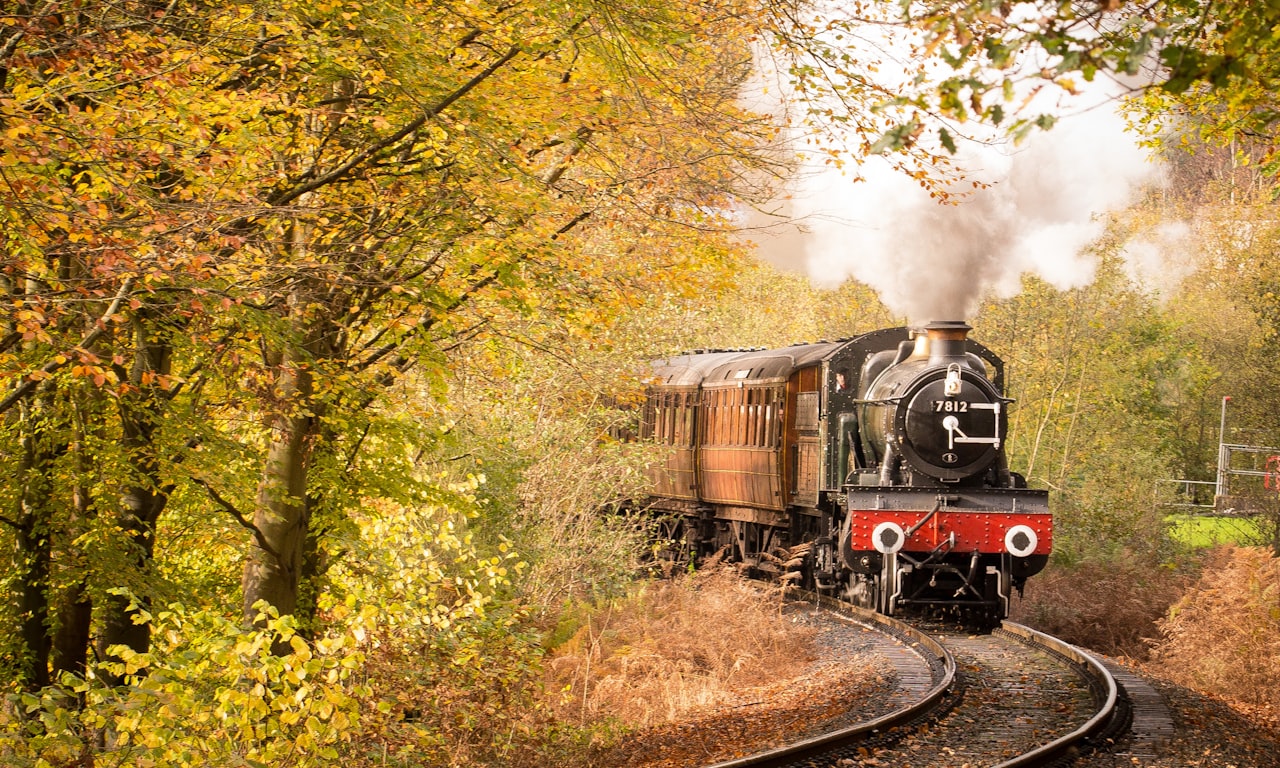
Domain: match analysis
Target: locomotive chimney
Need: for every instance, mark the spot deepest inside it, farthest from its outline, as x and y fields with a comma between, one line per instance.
x=946, y=341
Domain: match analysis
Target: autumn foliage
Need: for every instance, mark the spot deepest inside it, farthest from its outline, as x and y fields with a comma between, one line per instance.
x=237, y=236
x=1112, y=605
x=244, y=246
x=1221, y=635
x=308, y=309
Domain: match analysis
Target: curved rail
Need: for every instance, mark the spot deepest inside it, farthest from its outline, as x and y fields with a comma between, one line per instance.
x=1107, y=721
x=932, y=651
x=1106, y=691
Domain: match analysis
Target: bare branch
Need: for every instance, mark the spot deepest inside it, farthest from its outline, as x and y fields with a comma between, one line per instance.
x=240, y=517
x=287, y=196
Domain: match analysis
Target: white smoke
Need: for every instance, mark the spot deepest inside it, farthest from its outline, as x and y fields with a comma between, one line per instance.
x=1161, y=258
x=1043, y=203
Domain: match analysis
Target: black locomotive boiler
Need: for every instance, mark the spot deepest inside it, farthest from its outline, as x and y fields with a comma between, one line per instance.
x=874, y=467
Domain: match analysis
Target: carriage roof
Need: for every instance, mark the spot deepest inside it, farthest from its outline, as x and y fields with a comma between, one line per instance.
x=740, y=365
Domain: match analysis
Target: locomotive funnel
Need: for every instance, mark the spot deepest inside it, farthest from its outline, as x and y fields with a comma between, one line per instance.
x=947, y=340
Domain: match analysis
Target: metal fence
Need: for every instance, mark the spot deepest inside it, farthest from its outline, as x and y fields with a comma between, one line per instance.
x=1242, y=506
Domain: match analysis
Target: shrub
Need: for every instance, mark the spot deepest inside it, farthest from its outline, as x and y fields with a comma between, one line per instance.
x=213, y=693
x=673, y=647
x=1108, y=603
x=423, y=659
x=1221, y=636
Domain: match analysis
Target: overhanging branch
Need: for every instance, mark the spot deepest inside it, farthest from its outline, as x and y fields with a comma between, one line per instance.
x=240, y=517
x=33, y=380
x=355, y=161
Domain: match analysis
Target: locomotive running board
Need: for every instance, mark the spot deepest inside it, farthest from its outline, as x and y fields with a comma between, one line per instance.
x=1022, y=501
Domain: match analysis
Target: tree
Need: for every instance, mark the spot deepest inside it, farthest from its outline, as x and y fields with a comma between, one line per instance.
x=99, y=229
x=1098, y=374
x=1212, y=64
x=231, y=230
x=467, y=194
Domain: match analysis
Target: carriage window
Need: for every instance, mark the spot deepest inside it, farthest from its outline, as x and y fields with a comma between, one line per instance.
x=807, y=411
x=746, y=417
x=669, y=418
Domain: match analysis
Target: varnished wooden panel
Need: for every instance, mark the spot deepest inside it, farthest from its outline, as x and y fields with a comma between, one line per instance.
x=675, y=476
x=750, y=477
x=808, y=471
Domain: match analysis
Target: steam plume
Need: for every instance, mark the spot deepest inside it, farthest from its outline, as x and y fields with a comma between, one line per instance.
x=1044, y=203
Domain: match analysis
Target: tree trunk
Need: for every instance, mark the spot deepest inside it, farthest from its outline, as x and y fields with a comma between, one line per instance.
x=71, y=641
x=140, y=510
x=34, y=531
x=75, y=608
x=273, y=570
x=311, y=576
x=145, y=498
x=135, y=524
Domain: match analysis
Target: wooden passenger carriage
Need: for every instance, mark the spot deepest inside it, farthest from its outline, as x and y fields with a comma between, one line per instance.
x=765, y=430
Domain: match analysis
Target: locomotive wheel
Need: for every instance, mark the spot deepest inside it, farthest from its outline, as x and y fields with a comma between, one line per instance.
x=886, y=585
x=672, y=549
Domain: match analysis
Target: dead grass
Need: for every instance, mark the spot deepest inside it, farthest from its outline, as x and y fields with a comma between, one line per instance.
x=1112, y=605
x=676, y=647
x=758, y=719
x=1223, y=636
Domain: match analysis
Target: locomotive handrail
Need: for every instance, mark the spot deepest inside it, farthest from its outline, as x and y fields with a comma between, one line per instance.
x=920, y=641
x=889, y=401
x=920, y=523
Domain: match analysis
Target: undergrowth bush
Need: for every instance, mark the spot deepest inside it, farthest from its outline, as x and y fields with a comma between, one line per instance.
x=672, y=647
x=422, y=658
x=1222, y=637
x=212, y=693
x=1109, y=602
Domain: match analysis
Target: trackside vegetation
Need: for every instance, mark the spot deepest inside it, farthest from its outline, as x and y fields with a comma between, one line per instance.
x=320, y=322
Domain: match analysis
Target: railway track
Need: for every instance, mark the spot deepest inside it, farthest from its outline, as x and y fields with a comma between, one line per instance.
x=1013, y=698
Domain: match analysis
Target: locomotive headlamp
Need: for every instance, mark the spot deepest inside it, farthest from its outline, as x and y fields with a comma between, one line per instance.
x=1021, y=541
x=888, y=538
x=951, y=387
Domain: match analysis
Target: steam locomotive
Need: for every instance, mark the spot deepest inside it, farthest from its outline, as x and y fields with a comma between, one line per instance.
x=873, y=467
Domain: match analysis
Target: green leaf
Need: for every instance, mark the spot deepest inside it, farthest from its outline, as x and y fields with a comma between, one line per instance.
x=948, y=142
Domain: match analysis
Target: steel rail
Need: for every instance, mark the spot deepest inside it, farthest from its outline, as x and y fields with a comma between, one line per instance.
x=931, y=651
x=1107, y=693
x=1106, y=721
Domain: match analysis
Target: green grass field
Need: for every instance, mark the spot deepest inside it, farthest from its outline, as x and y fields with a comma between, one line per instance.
x=1210, y=531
